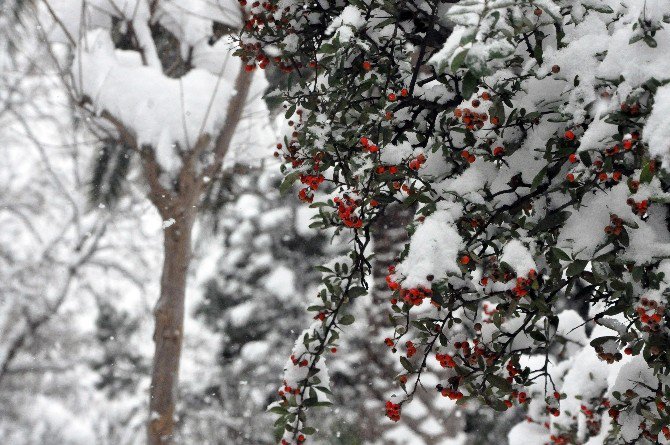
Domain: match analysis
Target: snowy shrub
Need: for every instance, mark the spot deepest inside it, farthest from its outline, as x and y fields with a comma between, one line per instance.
x=531, y=138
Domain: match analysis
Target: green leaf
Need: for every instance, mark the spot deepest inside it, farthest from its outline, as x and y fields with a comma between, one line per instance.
x=347, y=319
x=469, y=85
x=498, y=405
x=499, y=382
x=537, y=180
x=576, y=268
x=560, y=254
x=646, y=174
x=288, y=181
x=553, y=219
x=356, y=292
x=308, y=430
x=406, y=364
x=458, y=60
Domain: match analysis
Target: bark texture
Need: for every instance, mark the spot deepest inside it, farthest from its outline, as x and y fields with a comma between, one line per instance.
x=181, y=208
x=168, y=333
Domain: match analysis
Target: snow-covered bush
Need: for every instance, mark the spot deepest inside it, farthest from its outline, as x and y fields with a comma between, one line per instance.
x=255, y=296
x=532, y=139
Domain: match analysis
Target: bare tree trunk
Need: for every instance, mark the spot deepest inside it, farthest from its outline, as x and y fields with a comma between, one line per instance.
x=169, y=318
x=181, y=210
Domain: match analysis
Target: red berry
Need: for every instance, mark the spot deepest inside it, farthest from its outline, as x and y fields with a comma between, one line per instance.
x=573, y=158
x=569, y=135
x=367, y=66
x=404, y=92
x=392, y=97
x=465, y=259
x=570, y=177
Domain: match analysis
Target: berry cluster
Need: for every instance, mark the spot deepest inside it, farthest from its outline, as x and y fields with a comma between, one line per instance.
x=446, y=360
x=524, y=284
x=615, y=227
x=411, y=349
x=393, y=411
x=345, y=210
x=416, y=163
x=368, y=145
x=639, y=208
x=650, y=312
x=472, y=119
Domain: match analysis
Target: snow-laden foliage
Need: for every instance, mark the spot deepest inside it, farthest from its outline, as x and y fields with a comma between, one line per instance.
x=530, y=137
x=255, y=296
x=163, y=71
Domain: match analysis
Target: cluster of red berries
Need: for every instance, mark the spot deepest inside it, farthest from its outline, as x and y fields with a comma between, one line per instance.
x=650, y=311
x=345, y=210
x=523, y=284
x=615, y=227
x=393, y=285
x=593, y=420
x=288, y=390
x=452, y=394
x=416, y=295
x=368, y=145
x=411, y=349
x=301, y=363
x=301, y=439
x=512, y=371
x=305, y=195
x=392, y=169
x=472, y=119
x=468, y=156
x=393, y=411
x=553, y=411
x=446, y=360
x=626, y=145
x=312, y=181
x=393, y=96
x=609, y=357
x=613, y=413
x=632, y=110
x=416, y=163
x=639, y=208
x=521, y=397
